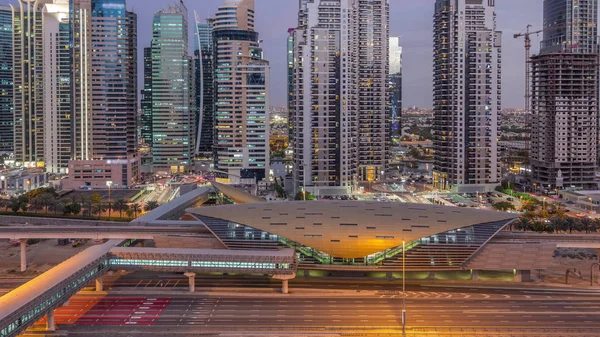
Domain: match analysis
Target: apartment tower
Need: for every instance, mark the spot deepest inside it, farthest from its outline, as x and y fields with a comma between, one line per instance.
x=395, y=86
x=564, y=145
x=6, y=81
x=242, y=94
x=172, y=92
x=374, y=139
x=467, y=95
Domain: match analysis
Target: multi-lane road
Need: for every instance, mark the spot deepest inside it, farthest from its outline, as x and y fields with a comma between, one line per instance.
x=89, y=315
x=160, y=306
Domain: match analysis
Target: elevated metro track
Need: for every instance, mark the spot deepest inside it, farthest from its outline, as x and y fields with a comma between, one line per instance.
x=96, y=232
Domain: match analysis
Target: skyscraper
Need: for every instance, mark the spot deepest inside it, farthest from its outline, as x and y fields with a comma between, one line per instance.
x=6, y=80
x=57, y=87
x=570, y=25
x=173, y=95
x=564, y=135
x=242, y=95
x=467, y=95
x=374, y=138
x=290, y=78
x=395, y=89
x=341, y=110
x=205, y=88
x=146, y=102
x=28, y=82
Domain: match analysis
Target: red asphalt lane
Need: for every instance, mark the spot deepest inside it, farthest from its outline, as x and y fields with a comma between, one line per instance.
x=111, y=310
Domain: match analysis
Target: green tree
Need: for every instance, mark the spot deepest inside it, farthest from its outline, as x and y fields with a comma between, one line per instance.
x=14, y=204
x=120, y=206
x=95, y=198
x=503, y=206
x=309, y=196
x=529, y=206
x=151, y=205
x=136, y=208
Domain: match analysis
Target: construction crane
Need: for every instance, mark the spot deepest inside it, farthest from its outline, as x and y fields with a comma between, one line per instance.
x=527, y=35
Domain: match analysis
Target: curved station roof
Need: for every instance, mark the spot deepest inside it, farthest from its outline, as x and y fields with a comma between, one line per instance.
x=353, y=229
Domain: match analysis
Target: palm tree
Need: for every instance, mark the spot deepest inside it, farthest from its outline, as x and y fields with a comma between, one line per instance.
x=120, y=206
x=586, y=225
x=136, y=208
x=151, y=205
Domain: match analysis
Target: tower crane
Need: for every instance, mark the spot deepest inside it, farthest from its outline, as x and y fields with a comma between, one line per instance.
x=527, y=37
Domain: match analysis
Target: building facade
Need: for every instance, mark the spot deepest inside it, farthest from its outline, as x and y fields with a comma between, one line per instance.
x=146, y=101
x=570, y=26
x=242, y=94
x=564, y=135
x=467, y=95
x=28, y=82
x=6, y=81
x=57, y=87
x=374, y=139
x=395, y=86
x=326, y=112
x=173, y=109
x=204, y=62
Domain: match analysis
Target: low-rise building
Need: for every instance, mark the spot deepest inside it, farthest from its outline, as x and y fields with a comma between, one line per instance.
x=21, y=181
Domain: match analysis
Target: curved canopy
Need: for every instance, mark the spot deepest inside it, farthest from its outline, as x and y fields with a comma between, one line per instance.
x=352, y=229
x=237, y=195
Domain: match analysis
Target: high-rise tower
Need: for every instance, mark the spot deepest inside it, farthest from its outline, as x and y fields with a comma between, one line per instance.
x=204, y=62
x=395, y=89
x=564, y=135
x=373, y=76
x=242, y=95
x=6, y=81
x=28, y=82
x=340, y=103
x=467, y=98
x=173, y=95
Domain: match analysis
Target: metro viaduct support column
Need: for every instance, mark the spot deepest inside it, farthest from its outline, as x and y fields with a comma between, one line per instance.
x=192, y=279
x=284, y=282
x=50, y=326
x=523, y=276
x=23, y=243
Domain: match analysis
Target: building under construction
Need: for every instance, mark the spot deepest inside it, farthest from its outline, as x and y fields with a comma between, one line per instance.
x=564, y=135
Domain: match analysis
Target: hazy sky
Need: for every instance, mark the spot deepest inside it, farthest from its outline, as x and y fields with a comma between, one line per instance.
x=409, y=19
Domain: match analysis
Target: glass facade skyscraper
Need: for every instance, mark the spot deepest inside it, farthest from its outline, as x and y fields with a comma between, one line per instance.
x=570, y=26
x=205, y=88
x=173, y=94
x=6, y=80
x=242, y=99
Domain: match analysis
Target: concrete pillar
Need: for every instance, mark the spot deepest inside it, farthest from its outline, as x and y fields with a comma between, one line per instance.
x=23, y=254
x=523, y=276
x=389, y=275
x=431, y=275
x=50, y=326
x=475, y=275
x=192, y=280
x=99, y=284
x=285, y=287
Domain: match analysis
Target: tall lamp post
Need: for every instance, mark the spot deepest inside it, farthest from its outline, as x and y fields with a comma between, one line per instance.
x=109, y=184
x=403, y=288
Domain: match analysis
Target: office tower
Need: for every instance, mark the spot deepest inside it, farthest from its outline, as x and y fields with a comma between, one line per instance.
x=290, y=100
x=205, y=88
x=57, y=87
x=28, y=82
x=242, y=99
x=146, y=101
x=395, y=89
x=374, y=138
x=564, y=135
x=326, y=93
x=173, y=109
x=467, y=98
x=6, y=81
x=570, y=26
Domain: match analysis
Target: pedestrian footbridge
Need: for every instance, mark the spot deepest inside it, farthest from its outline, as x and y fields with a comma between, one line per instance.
x=22, y=307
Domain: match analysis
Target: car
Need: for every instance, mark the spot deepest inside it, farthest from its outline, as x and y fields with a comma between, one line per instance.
x=510, y=199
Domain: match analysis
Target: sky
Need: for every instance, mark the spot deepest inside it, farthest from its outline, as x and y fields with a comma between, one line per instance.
x=412, y=20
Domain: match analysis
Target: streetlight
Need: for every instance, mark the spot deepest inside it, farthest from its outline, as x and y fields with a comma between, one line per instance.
x=403, y=288
x=109, y=184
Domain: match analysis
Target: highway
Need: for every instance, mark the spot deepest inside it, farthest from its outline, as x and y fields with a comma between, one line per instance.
x=103, y=314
